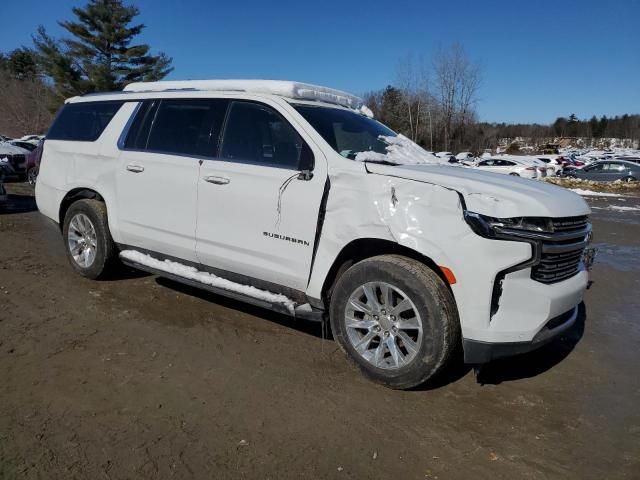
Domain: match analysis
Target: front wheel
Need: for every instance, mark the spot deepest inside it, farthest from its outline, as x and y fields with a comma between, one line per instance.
x=514, y=174
x=395, y=319
x=32, y=176
x=629, y=179
x=89, y=246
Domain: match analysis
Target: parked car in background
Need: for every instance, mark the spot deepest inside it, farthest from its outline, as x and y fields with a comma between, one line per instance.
x=3, y=192
x=17, y=160
x=464, y=156
x=22, y=144
x=554, y=166
x=607, y=171
x=32, y=138
x=508, y=167
x=33, y=163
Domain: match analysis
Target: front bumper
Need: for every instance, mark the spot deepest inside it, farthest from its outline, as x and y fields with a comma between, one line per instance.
x=479, y=352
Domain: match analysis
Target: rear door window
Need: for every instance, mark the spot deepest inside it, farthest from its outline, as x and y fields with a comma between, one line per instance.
x=83, y=122
x=255, y=133
x=186, y=127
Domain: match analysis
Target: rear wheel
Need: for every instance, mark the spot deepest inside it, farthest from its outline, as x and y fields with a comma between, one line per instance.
x=629, y=179
x=395, y=319
x=514, y=174
x=89, y=246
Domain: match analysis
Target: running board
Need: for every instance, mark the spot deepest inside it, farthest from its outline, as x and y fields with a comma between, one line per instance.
x=304, y=311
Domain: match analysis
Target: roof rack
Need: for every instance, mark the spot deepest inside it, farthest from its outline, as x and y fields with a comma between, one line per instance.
x=288, y=89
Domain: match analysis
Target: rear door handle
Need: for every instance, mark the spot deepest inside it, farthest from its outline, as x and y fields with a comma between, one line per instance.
x=135, y=168
x=217, y=180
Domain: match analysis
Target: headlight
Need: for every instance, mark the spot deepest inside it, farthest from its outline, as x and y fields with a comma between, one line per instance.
x=492, y=227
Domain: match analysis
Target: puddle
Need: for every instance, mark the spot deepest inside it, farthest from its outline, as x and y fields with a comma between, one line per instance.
x=625, y=258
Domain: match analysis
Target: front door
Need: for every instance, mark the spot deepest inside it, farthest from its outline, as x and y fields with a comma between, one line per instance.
x=256, y=217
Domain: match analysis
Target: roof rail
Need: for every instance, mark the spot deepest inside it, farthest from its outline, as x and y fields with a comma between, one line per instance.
x=295, y=90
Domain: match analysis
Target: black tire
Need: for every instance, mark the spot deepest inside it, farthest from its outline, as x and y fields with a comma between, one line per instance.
x=32, y=176
x=435, y=305
x=106, y=253
x=514, y=174
x=629, y=179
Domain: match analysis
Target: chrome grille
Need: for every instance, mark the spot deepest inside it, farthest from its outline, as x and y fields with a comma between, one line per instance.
x=569, y=223
x=560, y=258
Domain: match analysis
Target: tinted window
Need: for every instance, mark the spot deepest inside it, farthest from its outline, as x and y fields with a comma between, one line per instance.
x=188, y=127
x=347, y=132
x=139, y=130
x=257, y=134
x=83, y=122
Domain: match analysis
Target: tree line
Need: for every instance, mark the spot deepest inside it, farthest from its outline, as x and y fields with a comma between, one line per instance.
x=98, y=54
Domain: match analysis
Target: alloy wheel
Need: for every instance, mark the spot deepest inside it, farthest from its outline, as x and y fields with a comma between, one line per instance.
x=82, y=240
x=383, y=325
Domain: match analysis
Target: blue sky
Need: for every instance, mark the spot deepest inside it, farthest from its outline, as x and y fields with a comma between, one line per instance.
x=541, y=59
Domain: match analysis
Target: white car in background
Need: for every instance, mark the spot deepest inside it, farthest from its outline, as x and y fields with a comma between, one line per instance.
x=509, y=166
x=553, y=164
x=464, y=156
x=31, y=138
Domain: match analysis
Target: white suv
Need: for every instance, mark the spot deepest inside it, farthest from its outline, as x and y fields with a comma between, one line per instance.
x=259, y=190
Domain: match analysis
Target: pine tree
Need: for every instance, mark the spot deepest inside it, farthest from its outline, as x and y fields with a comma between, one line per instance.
x=100, y=55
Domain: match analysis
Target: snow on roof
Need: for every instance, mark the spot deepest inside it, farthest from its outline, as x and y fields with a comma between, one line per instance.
x=296, y=90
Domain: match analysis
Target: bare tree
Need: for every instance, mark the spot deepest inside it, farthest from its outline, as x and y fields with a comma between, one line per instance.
x=413, y=78
x=457, y=80
x=25, y=105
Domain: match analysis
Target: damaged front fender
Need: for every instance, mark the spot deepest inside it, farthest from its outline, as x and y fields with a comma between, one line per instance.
x=423, y=217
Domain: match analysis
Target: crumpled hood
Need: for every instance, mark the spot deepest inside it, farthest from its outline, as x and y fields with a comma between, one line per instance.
x=493, y=194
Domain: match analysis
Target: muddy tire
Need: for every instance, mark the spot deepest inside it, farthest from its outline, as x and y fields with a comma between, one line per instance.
x=88, y=243
x=395, y=319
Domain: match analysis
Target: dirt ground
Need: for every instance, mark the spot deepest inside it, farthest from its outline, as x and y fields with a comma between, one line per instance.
x=139, y=377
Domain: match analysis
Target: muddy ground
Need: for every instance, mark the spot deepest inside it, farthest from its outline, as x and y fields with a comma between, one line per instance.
x=139, y=377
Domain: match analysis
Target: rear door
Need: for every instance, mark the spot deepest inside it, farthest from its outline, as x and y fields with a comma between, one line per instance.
x=257, y=216
x=158, y=175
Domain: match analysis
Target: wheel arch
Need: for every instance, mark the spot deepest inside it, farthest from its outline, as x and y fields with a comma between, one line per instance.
x=74, y=195
x=363, y=248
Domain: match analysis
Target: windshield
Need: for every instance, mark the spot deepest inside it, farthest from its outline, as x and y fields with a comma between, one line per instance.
x=347, y=132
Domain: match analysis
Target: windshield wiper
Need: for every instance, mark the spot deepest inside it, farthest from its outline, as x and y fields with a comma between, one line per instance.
x=383, y=162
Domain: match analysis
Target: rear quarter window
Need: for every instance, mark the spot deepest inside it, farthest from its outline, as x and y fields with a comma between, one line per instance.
x=83, y=122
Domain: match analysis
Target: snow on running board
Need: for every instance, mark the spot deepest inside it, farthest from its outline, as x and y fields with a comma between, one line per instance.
x=206, y=278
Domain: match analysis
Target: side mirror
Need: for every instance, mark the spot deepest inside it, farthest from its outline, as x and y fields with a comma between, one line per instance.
x=307, y=163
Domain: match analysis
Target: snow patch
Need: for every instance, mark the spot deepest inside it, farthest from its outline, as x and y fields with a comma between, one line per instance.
x=401, y=151
x=206, y=278
x=366, y=111
x=591, y=193
x=621, y=208
x=303, y=91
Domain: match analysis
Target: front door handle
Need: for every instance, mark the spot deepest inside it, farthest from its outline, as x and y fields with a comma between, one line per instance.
x=135, y=168
x=217, y=180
